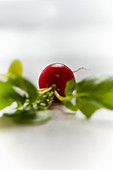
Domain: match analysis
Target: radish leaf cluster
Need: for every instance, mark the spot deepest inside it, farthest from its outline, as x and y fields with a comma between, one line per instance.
x=33, y=105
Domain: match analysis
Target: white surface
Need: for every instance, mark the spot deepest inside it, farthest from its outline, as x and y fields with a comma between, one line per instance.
x=62, y=143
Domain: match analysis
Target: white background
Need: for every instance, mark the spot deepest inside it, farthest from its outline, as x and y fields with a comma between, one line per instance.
x=76, y=33
x=55, y=29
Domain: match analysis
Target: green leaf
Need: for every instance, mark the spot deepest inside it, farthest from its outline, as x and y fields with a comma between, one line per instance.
x=30, y=116
x=25, y=85
x=87, y=106
x=70, y=87
x=93, y=94
x=16, y=68
x=8, y=95
x=70, y=105
x=67, y=101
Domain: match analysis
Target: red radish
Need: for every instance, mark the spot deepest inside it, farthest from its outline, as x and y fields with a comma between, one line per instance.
x=58, y=74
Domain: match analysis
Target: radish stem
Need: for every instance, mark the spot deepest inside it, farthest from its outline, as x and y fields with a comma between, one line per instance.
x=46, y=90
x=57, y=94
x=79, y=69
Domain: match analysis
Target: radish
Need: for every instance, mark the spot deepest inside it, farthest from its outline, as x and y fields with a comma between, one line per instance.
x=58, y=74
